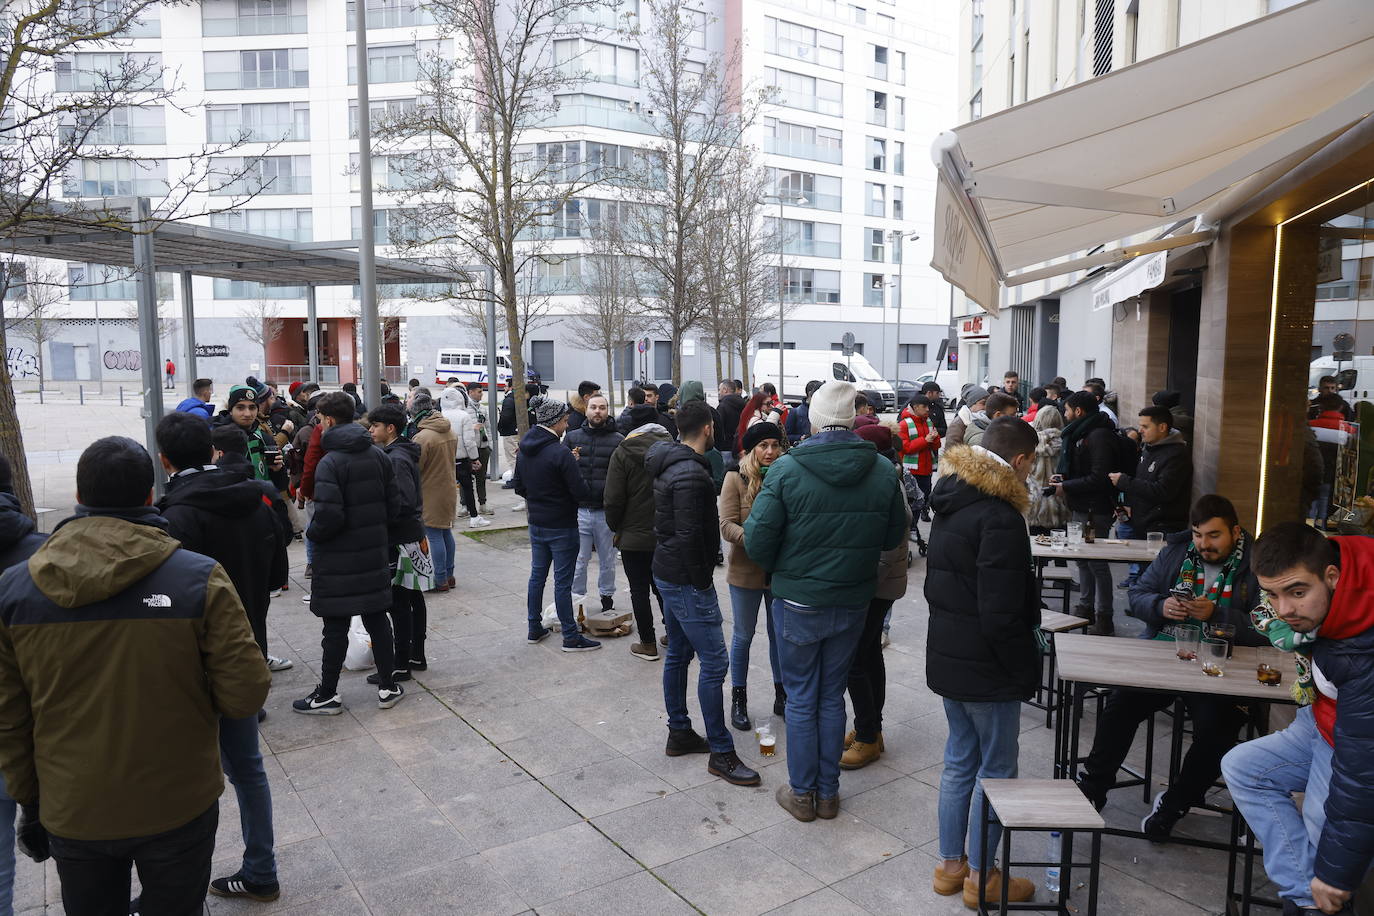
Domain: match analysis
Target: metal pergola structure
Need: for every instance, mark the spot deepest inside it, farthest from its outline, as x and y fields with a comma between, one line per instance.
x=123, y=232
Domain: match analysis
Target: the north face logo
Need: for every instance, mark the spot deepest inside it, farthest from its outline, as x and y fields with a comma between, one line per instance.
x=158, y=601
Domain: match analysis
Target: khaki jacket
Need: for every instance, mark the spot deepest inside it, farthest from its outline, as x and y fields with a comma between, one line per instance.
x=438, y=483
x=735, y=502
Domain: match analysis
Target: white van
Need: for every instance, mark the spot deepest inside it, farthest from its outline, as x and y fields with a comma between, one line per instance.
x=469, y=365
x=801, y=366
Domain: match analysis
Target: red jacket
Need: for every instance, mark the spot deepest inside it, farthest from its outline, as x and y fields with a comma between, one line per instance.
x=313, y=453
x=918, y=452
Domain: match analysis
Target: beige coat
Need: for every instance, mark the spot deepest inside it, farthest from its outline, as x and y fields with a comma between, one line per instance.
x=735, y=502
x=438, y=482
x=892, y=566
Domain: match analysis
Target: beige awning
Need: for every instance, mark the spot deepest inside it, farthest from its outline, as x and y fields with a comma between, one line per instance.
x=1193, y=132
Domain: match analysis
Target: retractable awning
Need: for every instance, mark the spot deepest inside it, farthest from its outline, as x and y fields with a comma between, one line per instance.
x=1193, y=132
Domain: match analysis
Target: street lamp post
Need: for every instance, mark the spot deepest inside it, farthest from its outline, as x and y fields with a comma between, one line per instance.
x=897, y=237
x=799, y=200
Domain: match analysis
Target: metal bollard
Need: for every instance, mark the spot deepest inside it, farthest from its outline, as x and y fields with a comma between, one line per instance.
x=121, y=395
x=81, y=393
x=40, y=394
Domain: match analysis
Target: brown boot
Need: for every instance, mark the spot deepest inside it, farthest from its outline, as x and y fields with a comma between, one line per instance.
x=860, y=754
x=802, y=807
x=1019, y=891
x=828, y=808
x=947, y=884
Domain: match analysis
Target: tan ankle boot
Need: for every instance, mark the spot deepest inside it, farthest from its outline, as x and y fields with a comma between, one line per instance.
x=1019, y=891
x=947, y=884
x=860, y=754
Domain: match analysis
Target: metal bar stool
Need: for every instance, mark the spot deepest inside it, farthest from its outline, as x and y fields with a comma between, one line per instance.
x=1040, y=805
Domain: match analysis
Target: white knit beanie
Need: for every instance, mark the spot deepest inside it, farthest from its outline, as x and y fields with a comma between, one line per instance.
x=833, y=405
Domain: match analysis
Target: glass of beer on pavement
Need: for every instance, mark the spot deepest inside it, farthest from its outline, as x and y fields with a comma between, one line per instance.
x=768, y=743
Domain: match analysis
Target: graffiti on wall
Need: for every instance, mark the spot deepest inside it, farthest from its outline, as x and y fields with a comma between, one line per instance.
x=22, y=363
x=132, y=360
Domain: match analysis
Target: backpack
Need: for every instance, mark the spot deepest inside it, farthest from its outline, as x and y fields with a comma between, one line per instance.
x=1127, y=453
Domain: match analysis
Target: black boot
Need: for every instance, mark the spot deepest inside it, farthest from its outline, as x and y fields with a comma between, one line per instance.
x=739, y=708
x=779, y=700
x=730, y=768
x=685, y=741
x=1103, y=625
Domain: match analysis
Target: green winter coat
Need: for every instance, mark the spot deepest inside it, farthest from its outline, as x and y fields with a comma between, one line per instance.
x=826, y=512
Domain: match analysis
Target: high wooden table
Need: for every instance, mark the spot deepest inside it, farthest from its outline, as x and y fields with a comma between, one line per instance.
x=1112, y=550
x=1147, y=664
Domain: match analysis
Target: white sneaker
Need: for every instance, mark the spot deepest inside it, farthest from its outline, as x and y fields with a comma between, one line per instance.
x=275, y=593
x=478, y=521
x=278, y=664
x=519, y=506
x=306, y=598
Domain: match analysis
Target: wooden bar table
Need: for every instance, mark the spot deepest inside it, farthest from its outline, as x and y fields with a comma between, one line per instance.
x=1112, y=550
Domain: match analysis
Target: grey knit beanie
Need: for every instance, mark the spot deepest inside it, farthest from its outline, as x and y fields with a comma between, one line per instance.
x=547, y=410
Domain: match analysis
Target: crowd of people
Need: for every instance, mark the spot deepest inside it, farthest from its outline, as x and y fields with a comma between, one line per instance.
x=156, y=644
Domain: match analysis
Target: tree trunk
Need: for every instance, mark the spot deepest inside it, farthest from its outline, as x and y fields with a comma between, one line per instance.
x=744, y=364
x=510, y=303
x=12, y=438
x=720, y=367
x=610, y=385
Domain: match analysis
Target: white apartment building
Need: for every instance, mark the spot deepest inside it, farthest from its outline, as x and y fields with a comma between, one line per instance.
x=862, y=89
x=1014, y=51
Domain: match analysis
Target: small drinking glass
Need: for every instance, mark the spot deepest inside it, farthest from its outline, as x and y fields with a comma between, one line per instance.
x=768, y=743
x=1213, y=657
x=1155, y=540
x=1187, y=638
x=1059, y=538
x=1075, y=533
x=1268, y=675
x=1223, y=631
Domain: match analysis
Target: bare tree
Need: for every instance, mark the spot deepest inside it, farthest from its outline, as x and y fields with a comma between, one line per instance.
x=35, y=315
x=698, y=113
x=475, y=191
x=608, y=319
x=261, y=322
x=533, y=308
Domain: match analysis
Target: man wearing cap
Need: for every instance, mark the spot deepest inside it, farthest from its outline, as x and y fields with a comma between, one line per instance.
x=934, y=394
x=547, y=478
x=827, y=511
x=241, y=409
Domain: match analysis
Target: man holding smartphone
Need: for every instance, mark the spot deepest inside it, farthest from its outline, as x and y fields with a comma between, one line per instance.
x=1202, y=576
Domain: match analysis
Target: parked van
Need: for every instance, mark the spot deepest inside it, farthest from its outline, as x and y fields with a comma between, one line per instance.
x=469, y=365
x=801, y=366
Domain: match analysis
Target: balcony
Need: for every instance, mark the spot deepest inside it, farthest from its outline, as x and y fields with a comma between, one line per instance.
x=878, y=70
x=588, y=116
x=283, y=24
x=802, y=150
x=808, y=102
x=811, y=248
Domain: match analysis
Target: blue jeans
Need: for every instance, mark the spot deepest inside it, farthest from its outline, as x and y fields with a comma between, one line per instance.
x=241, y=758
x=983, y=743
x=692, y=618
x=309, y=544
x=8, y=810
x=1262, y=776
x=744, y=605
x=815, y=649
x=441, y=550
x=592, y=531
x=556, y=547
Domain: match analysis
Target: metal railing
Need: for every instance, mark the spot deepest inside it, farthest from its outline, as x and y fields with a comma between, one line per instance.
x=329, y=375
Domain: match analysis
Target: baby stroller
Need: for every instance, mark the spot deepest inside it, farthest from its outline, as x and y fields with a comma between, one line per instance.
x=917, y=501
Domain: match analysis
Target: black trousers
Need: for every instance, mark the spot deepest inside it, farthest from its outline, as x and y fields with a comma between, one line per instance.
x=466, y=485
x=868, y=674
x=334, y=644
x=484, y=456
x=1216, y=726
x=257, y=622
x=639, y=570
x=402, y=621
x=173, y=867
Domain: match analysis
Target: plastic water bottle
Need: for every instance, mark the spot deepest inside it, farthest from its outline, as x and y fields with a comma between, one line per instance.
x=1052, y=871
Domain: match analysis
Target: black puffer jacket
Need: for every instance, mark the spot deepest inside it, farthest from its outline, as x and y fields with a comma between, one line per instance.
x=405, y=462
x=1160, y=492
x=356, y=503
x=632, y=418
x=686, y=520
x=1087, y=487
x=629, y=497
x=730, y=408
x=17, y=538
x=223, y=515
x=505, y=420
x=980, y=585
x=546, y=476
x=595, y=445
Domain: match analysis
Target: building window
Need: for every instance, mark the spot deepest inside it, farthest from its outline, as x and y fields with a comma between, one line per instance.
x=899, y=112
x=878, y=69
x=116, y=178
x=823, y=144
x=267, y=122
x=393, y=226
x=132, y=125
x=260, y=174
x=105, y=15
x=911, y=353
x=399, y=63
x=975, y=106
x=897, y=211
x=875, y=199
x=1089, y=368
x=788, y=39
x=253, y=17
x=390, y=14
x=899, y=73
x=597, y=61
x=551, y=275
x=874, y=287
x=876, y=249
x=877, y=154
x=108, y=70
x=877, y=108
x=821, y=192
x=251, y=289
x=278, y=68
x=92, y=282
x=821, y=240
x=542, y=358
x=294, y=225
x=805, y=285
x=381, y=111
x=797, y=90
x=697, y=37
x=898, y=157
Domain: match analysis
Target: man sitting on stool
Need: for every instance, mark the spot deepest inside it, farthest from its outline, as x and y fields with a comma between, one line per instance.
x=1213, y=561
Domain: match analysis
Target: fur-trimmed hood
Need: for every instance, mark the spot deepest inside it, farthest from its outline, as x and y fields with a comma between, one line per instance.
x=578, y=403
x=970, y=473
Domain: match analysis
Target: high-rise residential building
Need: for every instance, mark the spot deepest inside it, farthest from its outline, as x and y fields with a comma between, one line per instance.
x=858, y=92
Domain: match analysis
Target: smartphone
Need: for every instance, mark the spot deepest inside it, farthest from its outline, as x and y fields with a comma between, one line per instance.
x=1182, y=593
x=1048, y=491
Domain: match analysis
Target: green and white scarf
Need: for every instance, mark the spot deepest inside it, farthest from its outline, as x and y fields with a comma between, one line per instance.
x=1286, y=639
x=1193, y=575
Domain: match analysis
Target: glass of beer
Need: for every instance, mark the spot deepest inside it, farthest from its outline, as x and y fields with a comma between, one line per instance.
x=1213, y=657
x=1268, y=675
x=768, y=743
